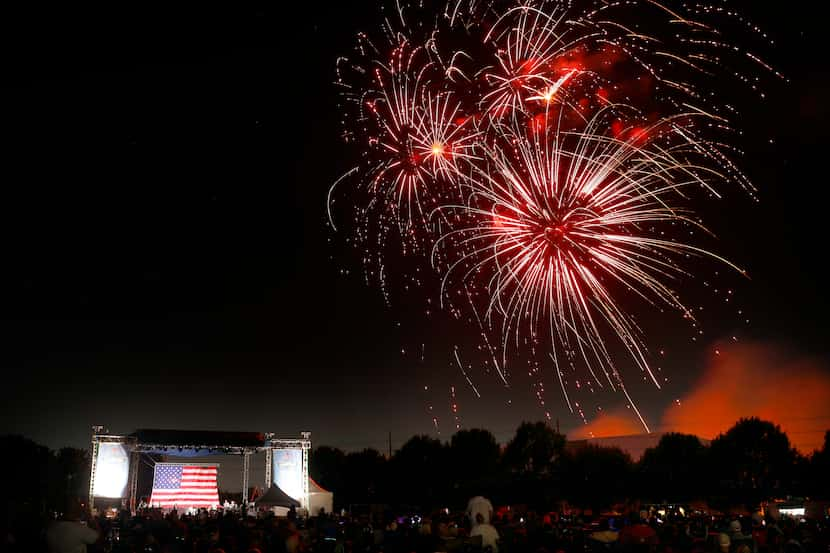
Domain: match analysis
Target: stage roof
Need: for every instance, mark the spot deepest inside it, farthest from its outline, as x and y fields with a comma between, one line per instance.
x=198, y=438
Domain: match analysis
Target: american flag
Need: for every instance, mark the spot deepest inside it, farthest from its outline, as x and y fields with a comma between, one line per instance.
x=176, y=485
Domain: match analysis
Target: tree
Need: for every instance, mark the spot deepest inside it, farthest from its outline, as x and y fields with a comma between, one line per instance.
x=363, y=476
x=597, y=476
x=474, y=458
x=421, y=471
x=754, y=457
x=820, y=468
x=673, y=469
x=73, y=469
x=30, y=477
x=474, y=454
x=534, y=449
x=326, y=466
x=530, y=461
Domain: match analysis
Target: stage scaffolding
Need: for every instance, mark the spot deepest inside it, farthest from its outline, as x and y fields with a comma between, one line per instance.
x=169, y=442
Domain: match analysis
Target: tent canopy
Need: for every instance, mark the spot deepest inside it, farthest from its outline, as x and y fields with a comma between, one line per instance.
x=275, y=497
x=319, y=498
x=314, y=487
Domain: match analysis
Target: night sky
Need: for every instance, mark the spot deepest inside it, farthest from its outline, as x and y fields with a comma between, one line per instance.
x=166, y=260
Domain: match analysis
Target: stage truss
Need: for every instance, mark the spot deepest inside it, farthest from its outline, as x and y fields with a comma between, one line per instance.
x=101, y=435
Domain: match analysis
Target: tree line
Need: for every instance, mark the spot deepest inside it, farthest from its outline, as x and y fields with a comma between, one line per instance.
x=37, y=480
x=749, y=463
x=752, y=461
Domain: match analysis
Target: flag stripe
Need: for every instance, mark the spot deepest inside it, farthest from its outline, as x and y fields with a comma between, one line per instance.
x=177, y=485
x=186, y=494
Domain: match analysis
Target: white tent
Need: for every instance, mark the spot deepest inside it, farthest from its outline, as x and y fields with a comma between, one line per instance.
x=319, y=498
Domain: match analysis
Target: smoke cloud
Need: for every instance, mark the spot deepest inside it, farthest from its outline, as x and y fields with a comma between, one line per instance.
x=742, y=380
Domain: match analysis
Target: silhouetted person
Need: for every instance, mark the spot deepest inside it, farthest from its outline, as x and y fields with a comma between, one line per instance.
x=70, y=535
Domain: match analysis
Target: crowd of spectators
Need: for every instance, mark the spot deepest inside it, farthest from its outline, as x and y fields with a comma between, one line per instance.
x=509, y=531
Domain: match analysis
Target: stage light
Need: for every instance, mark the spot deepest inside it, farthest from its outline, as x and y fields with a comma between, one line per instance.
x=792, y=511
x=288, y=471
x=112, y=468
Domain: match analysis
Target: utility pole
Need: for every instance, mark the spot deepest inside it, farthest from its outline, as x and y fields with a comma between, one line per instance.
x=390, y=444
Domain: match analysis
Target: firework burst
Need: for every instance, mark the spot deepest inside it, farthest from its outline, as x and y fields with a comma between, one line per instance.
x=556, y=224
x=545, y=153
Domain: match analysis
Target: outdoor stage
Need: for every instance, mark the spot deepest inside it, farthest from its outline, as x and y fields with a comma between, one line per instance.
x=116, y=462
